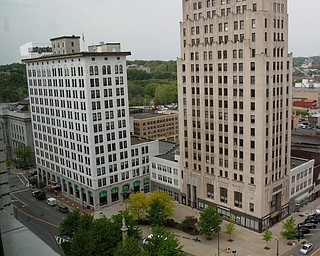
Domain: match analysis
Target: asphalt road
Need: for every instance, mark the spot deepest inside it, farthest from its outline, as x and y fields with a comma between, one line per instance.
x=313, y=237
x=42, y=219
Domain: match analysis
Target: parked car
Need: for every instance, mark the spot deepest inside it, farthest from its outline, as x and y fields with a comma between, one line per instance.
x=307, y=225
x=303, y=230
x=63, y=208
x=314, y=216
x=306, y=248
x=51, y=201
x=299, y=235
x=40, y=195
x=312, y=220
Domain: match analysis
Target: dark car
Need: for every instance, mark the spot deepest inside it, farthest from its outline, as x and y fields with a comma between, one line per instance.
x=312, y=220
x=40, y=195
x=303, y=230
x=299, y=235
x=63, y=208
x=307, y=225
x=314, y=216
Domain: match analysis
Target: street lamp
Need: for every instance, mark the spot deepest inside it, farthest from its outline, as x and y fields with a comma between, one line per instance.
x=217, y=230
x=277, y=239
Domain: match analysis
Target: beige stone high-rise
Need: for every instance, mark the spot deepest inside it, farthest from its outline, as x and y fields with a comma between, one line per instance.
x=234, y=78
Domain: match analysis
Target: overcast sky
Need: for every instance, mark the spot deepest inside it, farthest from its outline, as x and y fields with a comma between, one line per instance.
x=147, y=28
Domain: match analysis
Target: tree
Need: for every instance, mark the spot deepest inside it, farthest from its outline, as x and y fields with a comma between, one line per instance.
x=209, y=222
x=230, y=228
x=289, y=229
x=303, y=113
x=267, y=236
x=128, y=247
x=165, y=199
x=162, y=243
x=156, y=213
x=22, y=155
x=137, y=204
x=70, y=224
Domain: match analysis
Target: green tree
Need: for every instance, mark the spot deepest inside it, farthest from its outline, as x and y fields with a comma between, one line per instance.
x=267, y=236
x=70, y=224
x=162, y=243
x=230, y=228
x=166, y=94
x=156, y=213
x=22, y=155
x=209, y=222
x=303, y=113
x=128, y=247
x=82, y=243
x=289, y=229
x=137, y=205
x=165, y=199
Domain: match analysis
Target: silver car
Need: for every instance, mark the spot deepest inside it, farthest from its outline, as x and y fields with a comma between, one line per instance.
x=306, y=248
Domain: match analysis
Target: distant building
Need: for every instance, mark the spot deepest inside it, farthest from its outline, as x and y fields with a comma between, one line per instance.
x=156, y=126
x=15, y=118
x=304, y=103
x=65, y=44
x=301, y=182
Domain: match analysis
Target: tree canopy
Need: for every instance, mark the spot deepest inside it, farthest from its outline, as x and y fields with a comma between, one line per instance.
x=289, y=229
x=209, y=221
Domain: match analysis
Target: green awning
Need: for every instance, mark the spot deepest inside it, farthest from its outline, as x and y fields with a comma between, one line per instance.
x=83, y=190
x=70, y=185
x=114, y=190
x=146, y=181
x=90, y=193
x=77, y=188
x=103, y=194
x=136, y=184
x=64, y=182
x=125, y=187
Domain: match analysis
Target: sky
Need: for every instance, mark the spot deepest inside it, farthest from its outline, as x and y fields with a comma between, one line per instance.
x=147, y=28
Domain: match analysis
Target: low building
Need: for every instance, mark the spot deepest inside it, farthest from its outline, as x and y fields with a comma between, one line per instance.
x=15, y=119
x=156, y=126
x=304, y=103
x=301, y=182
x=165, y=173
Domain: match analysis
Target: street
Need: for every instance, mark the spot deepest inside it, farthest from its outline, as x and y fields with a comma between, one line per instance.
x=36, y=215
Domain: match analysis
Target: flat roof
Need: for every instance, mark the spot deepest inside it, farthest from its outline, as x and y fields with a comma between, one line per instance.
x=295, y=161
x=170, y=154
x=146, y=115
x=75, y=55
x=135, y=140
x=61, y=37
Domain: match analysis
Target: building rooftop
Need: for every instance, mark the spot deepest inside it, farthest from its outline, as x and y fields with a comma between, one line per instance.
x=135, y=140
x=295, y=162
x=170, y=153
x=75, y=55
x=145, y=115
x=61, y=37
x=19, y=240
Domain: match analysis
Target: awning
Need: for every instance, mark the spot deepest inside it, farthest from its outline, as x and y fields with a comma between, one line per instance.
x=136, y=183
x=301, y=198
x=103, y=194
x=114, y=190
x=275, y=214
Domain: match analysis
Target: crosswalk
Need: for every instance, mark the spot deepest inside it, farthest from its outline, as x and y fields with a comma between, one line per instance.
x=61, y=240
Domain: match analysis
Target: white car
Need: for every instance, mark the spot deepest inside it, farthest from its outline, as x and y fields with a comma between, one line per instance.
x=51, y=201
x=306, y=248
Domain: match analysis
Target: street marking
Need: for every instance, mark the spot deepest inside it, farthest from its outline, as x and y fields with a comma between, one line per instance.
x=19, y=191
x=60, y=240
x=22, y=180
x=314, y=253
x=36, y=218
x=19, y=200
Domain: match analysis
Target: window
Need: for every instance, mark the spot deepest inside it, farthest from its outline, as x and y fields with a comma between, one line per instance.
x=238, y=199
x=210, y=192
x=223, y=195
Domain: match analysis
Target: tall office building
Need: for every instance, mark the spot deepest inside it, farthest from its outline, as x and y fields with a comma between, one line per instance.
x=234, y=79
x=80, y=117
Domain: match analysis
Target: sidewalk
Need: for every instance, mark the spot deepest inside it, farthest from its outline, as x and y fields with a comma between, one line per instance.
x=245, y=241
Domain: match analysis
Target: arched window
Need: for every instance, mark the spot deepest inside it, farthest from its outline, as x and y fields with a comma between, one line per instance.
x=109, y=69
x=104, y=70
x=91, y=71
x=96, y=70
x=120, y=69
x=116, y=70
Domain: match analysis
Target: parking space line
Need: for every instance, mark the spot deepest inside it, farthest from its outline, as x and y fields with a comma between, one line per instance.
x=314, y=253
x=19, y=191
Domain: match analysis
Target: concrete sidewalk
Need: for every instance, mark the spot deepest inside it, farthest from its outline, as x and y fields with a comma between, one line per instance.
x=245, y=242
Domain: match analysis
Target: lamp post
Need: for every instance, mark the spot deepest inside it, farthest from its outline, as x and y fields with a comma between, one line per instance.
x=277, y=239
